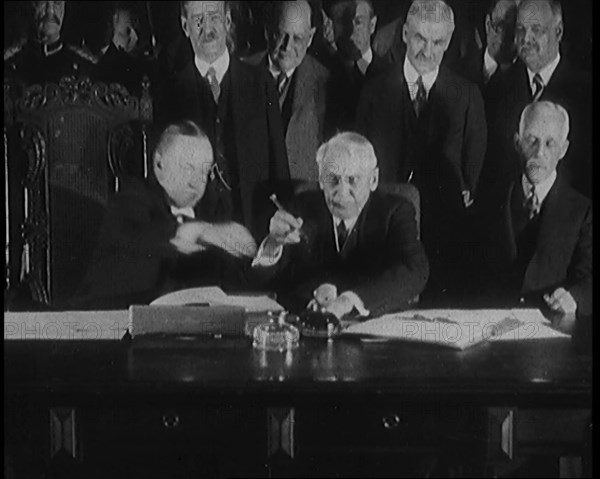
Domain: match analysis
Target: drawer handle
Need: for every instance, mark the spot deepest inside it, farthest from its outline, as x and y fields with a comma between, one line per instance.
x=391, y=421
x=170, y=421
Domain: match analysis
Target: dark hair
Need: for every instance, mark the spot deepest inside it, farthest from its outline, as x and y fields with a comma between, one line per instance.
x=110, y=26
x=333, y=3
x=181, y=128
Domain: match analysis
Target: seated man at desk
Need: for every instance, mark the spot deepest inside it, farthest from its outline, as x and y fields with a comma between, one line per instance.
x=156, y=237
x=542, y=243
x=348, y=238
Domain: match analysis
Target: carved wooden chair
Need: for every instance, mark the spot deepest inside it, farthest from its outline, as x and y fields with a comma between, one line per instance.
x=79, y=140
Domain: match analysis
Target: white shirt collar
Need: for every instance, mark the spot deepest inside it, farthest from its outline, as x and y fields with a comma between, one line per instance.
x=276, y=71
x=542, y=189
x=221, y=65
x=490, y=65
x=411, y=76
x=187, y=212
x=363, y=62
x=546, y=72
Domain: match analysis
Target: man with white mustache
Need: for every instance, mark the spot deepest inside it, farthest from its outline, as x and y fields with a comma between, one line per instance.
x=542, y=240
x=542, y=73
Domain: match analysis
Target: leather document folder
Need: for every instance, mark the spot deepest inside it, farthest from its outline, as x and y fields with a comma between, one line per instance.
x=186, y=320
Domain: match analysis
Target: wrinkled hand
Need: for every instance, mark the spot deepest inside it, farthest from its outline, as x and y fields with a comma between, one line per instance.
x=186, y=239
x=187, y=247
x=467, y=200
x=284, y=228
x=232, y=238
x=340, y=307
x=561, y=301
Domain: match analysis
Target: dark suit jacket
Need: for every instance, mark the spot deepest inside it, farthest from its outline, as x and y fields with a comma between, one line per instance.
x=569, y=87
x=259, y=144
x=455, y=133
x=306, y=128
x=563, y=252
x=383, y=261
x=134, y=262
x=346, y=87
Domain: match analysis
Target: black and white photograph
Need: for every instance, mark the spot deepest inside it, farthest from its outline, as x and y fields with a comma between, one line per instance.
x=310, y=238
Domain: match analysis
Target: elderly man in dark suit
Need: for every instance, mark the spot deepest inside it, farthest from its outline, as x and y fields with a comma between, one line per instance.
x=236, y=105
x=300, y=79
x=156, y=238
x=348, y=239
x=542, y=241
x=542, y=73
x=428, y=127
x=355, y=62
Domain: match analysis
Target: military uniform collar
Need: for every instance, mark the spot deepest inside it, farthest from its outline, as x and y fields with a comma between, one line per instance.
x=52, y=48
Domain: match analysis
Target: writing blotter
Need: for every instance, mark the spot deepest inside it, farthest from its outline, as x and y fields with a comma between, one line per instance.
x=186, y=320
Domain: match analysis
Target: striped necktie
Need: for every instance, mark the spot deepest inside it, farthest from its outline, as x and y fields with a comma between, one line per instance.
x=533, y=203
x=538, y=87
x=215, y=88
x=421, y=98
x=342, y=233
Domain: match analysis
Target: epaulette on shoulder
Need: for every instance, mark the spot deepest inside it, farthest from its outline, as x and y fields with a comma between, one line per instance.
x=12, y=51
x=84, y=53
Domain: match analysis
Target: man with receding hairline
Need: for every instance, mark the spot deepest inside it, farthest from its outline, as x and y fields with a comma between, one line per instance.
x=156, y=236
x=543, y=73
x=428, y=127
x=542, y=240
x=236, y=105
x=360, y=253
x=301, y=82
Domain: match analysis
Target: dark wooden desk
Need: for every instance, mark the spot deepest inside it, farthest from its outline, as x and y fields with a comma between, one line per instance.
x=147, y=408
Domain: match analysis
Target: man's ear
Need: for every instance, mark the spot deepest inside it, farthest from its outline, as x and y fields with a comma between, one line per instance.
x=184, y=26
x=559, y=30
x=311, y=34
x=374, y=179
x=563, y=150
x=516, y=140
x=488, y=25
x=228, y=20
x=373, y=25
x=405, y=33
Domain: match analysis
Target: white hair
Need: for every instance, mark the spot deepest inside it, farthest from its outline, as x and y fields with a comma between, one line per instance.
x=350, y=144
x=433, y=11
x=548, y=107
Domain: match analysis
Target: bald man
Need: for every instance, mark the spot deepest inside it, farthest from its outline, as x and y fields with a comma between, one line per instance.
x=157, y=237
x=543, y=236
x=428, y=127
x=301, y=82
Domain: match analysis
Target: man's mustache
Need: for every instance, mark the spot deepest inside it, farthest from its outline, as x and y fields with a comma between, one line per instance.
x=50, y=18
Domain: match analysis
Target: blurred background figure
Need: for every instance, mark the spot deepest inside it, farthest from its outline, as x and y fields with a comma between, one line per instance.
x=125, y=59
x=44, y=57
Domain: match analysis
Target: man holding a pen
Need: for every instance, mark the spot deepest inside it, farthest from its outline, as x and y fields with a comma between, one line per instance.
x=347, y=248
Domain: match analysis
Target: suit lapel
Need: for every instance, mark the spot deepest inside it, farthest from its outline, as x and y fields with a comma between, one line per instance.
x=553, y=216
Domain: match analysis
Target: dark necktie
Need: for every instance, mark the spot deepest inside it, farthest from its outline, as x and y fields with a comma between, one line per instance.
x=342, y=232
x=421, y=98
x=538, y=85
x=532, y=203
x=282, y=84
x=211, y=78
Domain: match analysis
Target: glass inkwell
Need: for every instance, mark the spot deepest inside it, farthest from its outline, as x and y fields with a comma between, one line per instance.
x=276, y=334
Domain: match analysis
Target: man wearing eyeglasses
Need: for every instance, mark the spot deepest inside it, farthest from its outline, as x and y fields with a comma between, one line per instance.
x=236, y=105
x=543, y=73
x=301, y=82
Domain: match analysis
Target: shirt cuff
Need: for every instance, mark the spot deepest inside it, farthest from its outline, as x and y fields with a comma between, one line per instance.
x=357, y=303
x=266, y=256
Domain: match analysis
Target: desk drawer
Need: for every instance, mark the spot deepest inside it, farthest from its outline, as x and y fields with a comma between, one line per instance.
x=397, y=427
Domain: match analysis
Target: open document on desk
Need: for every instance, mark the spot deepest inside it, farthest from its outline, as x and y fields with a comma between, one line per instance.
x=458, y=329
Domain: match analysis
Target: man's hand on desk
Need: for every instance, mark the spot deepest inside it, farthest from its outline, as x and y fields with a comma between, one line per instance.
x=232, y=238
x=561, y=301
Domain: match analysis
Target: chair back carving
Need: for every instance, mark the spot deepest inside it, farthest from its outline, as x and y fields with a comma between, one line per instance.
x=79, y=140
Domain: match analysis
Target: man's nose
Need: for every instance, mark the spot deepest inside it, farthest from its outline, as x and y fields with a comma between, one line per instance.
x=528, y=37
x=285, y=42
x=427, y=49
